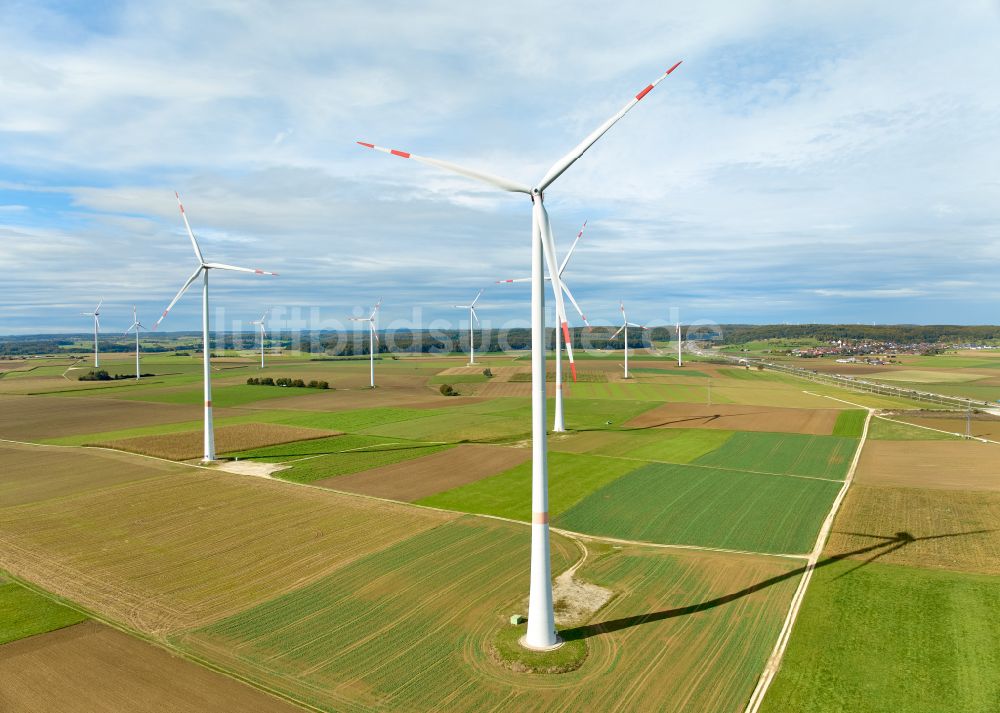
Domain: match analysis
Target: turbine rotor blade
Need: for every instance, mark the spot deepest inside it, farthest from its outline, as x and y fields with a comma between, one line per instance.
x=477, y=298
x=473, y=310
x=223, y=266
x=496, y=181
x=195, y=276
x=575, y=305
x=620, y=330
x=570, y=158
x=549, y=251
x=194, y=243
x=571, y=249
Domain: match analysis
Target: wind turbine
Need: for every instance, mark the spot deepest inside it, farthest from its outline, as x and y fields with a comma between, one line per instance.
x=372, y=336
x=559, y=422
x=680, y=359
x=202, y=271
x=263, y=334
x=472, y=315
x=136, y=325
x=625, y=325
x=96, y=314
x=541, y=617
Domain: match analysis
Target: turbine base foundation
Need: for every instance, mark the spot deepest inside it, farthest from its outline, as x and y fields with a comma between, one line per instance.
x=524, y=644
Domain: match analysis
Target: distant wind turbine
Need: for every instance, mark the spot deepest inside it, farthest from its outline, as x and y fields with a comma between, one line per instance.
x=96, y=314
x=202, y=271
x=472, y=315
x=559, y=422
x=680, y=359
x=136, y=325
x=372, y=320
x=625, y=325
x=263, y=334
x=541, y=632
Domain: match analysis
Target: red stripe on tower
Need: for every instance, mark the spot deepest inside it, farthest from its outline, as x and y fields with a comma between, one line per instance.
x=644, y=92
x=208, y=404
x=401, y=154
x=539, y=518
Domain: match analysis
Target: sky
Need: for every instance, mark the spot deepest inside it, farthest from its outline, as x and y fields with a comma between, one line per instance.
x=808, y=162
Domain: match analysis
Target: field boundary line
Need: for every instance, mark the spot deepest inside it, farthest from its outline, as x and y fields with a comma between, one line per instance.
x=774, y=661
x=937, y=430
x=163, y=644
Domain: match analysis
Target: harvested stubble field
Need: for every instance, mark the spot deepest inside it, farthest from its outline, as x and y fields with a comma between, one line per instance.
x=34, y=418
x=693, y=627
x=32, y=473
x=666, y=445
x=239, y=437
x=983, y=426
x=171, y=552
x=93, y=668
x=885, y=429
x=739, y=418
x=951, y=465
x=420, y=477
x=785, y=453
x=882, y=637
x=709, y=507
x=942, y=529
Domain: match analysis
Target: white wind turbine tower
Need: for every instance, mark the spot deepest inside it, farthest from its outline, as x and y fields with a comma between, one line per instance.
x=136, y=325
x=625, y=325
x=96, y=314
x=559, y=421
x=202, y=271
x=263, y=334
x=472, y=315
x=680, y=359
x=372, y=336
x=541, y=618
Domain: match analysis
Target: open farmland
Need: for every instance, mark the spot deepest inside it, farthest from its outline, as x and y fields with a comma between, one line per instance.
x=420, y=477
x=958, y=465
x=28, y=418
x=882, y=637
x=189, y=444
x=168, y=552
x=941, y=529
x=24, y=613
x=709, y=507
x=571, y=478
x=32, y=473
x=982, y=425
x=348, y=642
x=93, y=668
x=785, y=453
x=738, y=418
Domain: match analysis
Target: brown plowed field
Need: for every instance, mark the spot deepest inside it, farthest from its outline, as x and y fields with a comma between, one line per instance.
x=167, y=553
x=420, y=477
x=735, y=417
x=93, y=668
x=982, y=426
x=949, y=465
x=958, y=530
x=32, y=473
x=238, y=437
x=38, y=417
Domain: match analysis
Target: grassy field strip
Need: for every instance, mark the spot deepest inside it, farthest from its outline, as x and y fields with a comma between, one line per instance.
x=716, y=467
x=774, y=662
x=936, y=430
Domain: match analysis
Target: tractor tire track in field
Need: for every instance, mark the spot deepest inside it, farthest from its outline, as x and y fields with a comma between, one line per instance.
x=774, y=662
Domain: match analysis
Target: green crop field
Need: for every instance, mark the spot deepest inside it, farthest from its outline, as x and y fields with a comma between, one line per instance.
x=357, y=420
x=850, y=423
x=684, y=504
x=883, y=637
x=787, y=453
x=571, y=478
x=338, y=455
x=24, y=613
x=408, y=628
x=222, y=396
x=452, y=425
x=671, y=445
x=882, y=429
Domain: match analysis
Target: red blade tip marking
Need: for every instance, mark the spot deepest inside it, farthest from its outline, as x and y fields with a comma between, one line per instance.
x=367, y=146
x=644, y=92
x=572, y=368
x=401, y=154
x=674, y=67
x=565, y=328
x=259, y=272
